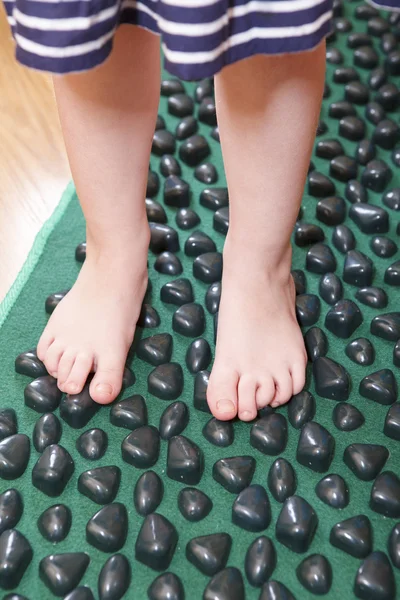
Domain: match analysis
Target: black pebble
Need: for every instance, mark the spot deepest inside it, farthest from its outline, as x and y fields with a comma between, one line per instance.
x=55, y=522
x=221, y=220
x=14, y=456
x=61, y=573
x=380, y=387
x=203, y=88
x=11, y=509
x=365, y=460
x=394, y=545
x=329, y=148
x=341, y=109
x=108, y=528
x=366, y=57
x=376, y=175
x=194, y=504
x=383, y=246
x=387, y=326
x=15, y=555
x=141, y=448
x=316, y=447
x=391, y=199
x=320, y=259
x=180, y=105
x=173, y=420
x=208, y=267
x=199, y=243
x=331, y=379
x=251, y=510
x=275, y=590
x=168, y=166
x=78, y=409
x=156, y=349
x=166, y=586
x=171, y=86
x=356, y=92
x=129, y=413
x=347, y=417
x=155, y=212
x=153, y=185
x=163, y=143
x=156, y=542
x=215, y=134
x=42, y=394
x=365, y=152
x=385, y=495
x=176, y=192
x=330, y=288
x=260, y=561
x=189, y=320
x=177, y=292
x=306, y=234
x=370, y=219
x=316, y=343
x=80, y=593
x=200, y=391
x=358, y=269
x=308, y=308
x=47, y=431
x=166, y=381
x=225, y=585
x=296, y=524
x=148, y=317
x=334, y=56
x=375, y=579
x=185, y=460
x=269, y=434
x=214, y=198
x=8, y=423
x=386, y=134
x=332, y=210
x=372, y=296
x=300, y=281
x=235, y=473
x=355, y=191
x=352, y=128
x=374, y=112
x=198, y=355
x=219, y=433
x=114, y=578
x=100, y=485
x=209, y=553
x=148, y=493
x=186, y=218
x=54, y=299
x=320, y=185
x=163, y=238
x=345, y=75
x=353, y=536
x=392, y=274
x=207, y=111
x=28, y=364
x=396, y=354
x=315, y=574
x=343, y=318
x=333, y=491
x=186, y=127
x=281, y=480
x=194, y=150
x=301, y=409
x=206, y=173
x=392, y=422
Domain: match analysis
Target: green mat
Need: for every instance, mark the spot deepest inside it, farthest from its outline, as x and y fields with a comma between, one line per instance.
x=51, y=267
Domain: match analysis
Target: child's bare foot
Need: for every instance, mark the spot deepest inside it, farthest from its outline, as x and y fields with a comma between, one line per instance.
x=93, y=326
x=260, y=355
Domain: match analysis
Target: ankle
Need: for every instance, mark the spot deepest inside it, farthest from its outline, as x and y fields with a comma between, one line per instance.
x=272, y=261
x=124, y=247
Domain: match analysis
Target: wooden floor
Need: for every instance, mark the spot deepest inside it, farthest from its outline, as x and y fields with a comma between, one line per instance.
x=33, y=164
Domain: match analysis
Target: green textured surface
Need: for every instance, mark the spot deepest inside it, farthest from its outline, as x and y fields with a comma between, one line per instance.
x=57, y=270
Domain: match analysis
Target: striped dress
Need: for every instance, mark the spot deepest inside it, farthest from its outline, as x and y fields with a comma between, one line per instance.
x=198, y=37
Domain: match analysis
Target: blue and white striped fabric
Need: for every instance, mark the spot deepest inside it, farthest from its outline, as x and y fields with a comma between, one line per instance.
x=198, y=37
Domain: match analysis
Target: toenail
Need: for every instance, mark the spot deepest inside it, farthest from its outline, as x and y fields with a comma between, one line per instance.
x=225, y=406
x=104, y=388
x=246, y=415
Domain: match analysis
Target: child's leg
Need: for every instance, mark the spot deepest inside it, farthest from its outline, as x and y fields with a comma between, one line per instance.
x=108, y=117
x=268, y=110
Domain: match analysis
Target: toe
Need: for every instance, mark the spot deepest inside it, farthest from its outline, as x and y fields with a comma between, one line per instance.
x=79, y=373
x=222, y=393
x=247, y=390
x=283, y=389
x=107, y=382
x=298, y=377
x=265, y=392
x=64, y=368
x=46, y=339
x=52, y=358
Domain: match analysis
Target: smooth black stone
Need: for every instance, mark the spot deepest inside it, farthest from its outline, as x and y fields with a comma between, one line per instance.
x=342, y=25
x=316, y=343
x=281, y=480
x=374, y=113
x=163, y=143
x=225, y=585
x=156, y=350
x=235, y=473
x=356, y=92
x=361, y=351
x=42, y=394
x=375, y=579
x=176, y=192
x=166, y=381
x=364, y=12
x=207, y=111
x=198, y=355
x=148, y=493
x=330, y=288
x=214, y=198
x=80, y=254
x=394, y=545
x=148, y=317
x=166, y=586
x=47, y=431
x=392, y=274
x=156, y=542
x=194, y=150
x=376, y=177
x=11, y=509
x=388, y=95
x=320, y=185
x=315, y=574
x=377, y=26
x=331, y=210
x=380, y=387
x=260, y=561
x=385, y=495
x=343, y=318
x=352, y=128
x=396, y=354
x=355, y=191
x=194, y=504
x=209, y=553
x=80, y=593
x=27, y=363
x=396, y=157
x=180, y=105
x=189, y=320
x=61, y=573
x=215, y=134
x=129, y=413
x=296, y=524
x=219, y=433
x=365, y=152
x=171, y=86
x=221, y=220
x=206, y=173
x=391, y=199
x=329, y=148
x=203, y=88
x=14, y=456
x=353, y=536
x=155, y=212
x=341, y=109
x=343, y=239
x=186, y=127
x=15, y=555
x=199, y=243
x=53, y=300
x=383, y=246
x=308, y=308
x=345, y=75
x=173, y=420
x=386, y=134
x=316, y=447
x=331, y=379
x=392, y=422
x=78, y=409
x=100, y=485
x=358, y=269
x=320, y=259
x=372, y=296
x=141, y=448
x=370, y=219
x=200, y=391
x=114, y=578
x=334, y=56
x=8, y=423
x=177, y=292
x=365, y=460
x=366, y=57
x=387, y=326
x=92, y=444
x=168, y=166
x=301, y=409
x=208, y=267
x=275, y=590
x=300, y=281
x=163, y=238
x=185, y=460
x=333, y=491
x=308, y=233
x=377, y=79
x=269, y=434
x=347, y=417
x=108, y=528
x=251, y=510
x=55, y=522
x=187, y=218
x=153, y=180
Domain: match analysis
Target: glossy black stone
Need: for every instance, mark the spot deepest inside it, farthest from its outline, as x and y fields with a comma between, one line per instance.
x=148, y=493
x=206, y=173
x=358, y=269
x=330, y=288
x=331, y=210
x=341, y=109
x=300, y=281
x=385, y=495
x=186, y=127
x=204, y=88
x=251, y=510
x=80, y=593
x=114, y=578
x=320, y=259
x=194, y=504
x=353, y=536
x=334, y=56
x=380, y=387
x=208, y=267
x=215, y=134
x=370, y=219
x=214, y=198
x=391, y=199
x=153, y=183
x=171, y=86
x=383, y=246
x=376, y=175
x=200, y=391
x=54, y=299
x=219, y=433
x=100, y=485
x=301, y=409
x=156, y=350
x=296, y=524
x=225, y=585
x=27, y=363
x=221, y=220
x=141, y=448
x=207, y=112
x=394, y=545
x=166, y=381
x=163, y=142
x=365, y=152
x=61, y=573
x=315, y=574
x=392, y=274
x=366, y=57
x=372, y=296
x=209, y=553
x=55, y=522
x=194, y=150
x=11, y=509
x=355, y=192
x=333, y=491
x=199, y=243
x=396, y=156
x=356, y=92
x=168, y=166
x=108, y=528
x=166, y=586
x=148, y=317
x=308, y=233
x=173, y=420
x=176, y=192
x=163, y=238
x=189, y=320
x=281, y=480
x=180, y=105
x=8, y=423
x=42, y=394
x=320, y=185
x=343, y=318
x=352, y=128
x=375, y=579
x=15, y=555
x=374, y=112
x=387, y=326
x=156, y=542
x=331, y=379
x=275, y=590
x=14, y=456
x=308, y=308
x=78, y=409
x=328, y=148
x=365, y=460
x=377, y=26
x=155, y=212
x=396, y=354
x=178, y=292
x=269, y=434
x=260, y=561
x=185, y=461
x=392, y=422
x=345, y=75
x=347, y=417
x=388, y=95
x=186, y=218
x=315, y=448
x=316, y=343
x=129, y=413
x=234, y=473
x=47, y=431
x=198, y=355
x=386, y=134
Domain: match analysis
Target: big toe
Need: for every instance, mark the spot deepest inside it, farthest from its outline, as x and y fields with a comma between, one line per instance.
x=107, y=382
x=222, y=394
